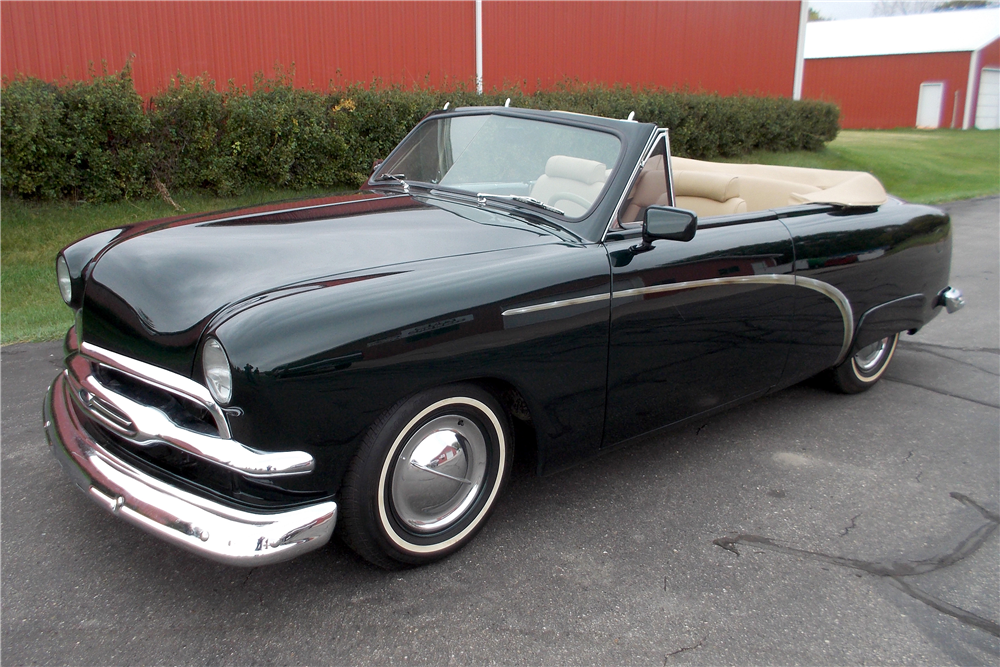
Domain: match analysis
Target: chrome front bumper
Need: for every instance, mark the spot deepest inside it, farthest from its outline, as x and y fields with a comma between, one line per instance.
x=205, y=527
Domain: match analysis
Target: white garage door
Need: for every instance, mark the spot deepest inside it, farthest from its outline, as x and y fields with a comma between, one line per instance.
x=988, y=102
x=929, y=105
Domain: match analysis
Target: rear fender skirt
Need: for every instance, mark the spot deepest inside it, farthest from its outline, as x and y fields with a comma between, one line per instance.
x=905, y=313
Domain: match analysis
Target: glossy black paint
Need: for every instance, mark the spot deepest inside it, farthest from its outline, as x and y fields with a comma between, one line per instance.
x=898, y=254
x=154, y=290
x=333, y=310
x=317, y=368
x=676, y=354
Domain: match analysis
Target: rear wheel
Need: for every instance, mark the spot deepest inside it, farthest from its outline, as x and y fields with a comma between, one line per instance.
x=864, y=369
x=426, y=477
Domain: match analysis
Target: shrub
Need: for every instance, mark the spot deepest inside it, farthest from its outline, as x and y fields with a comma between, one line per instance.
x=86, y=138
x=186, y=124
x=283, y=136
x=93, y=139
x=34, y=160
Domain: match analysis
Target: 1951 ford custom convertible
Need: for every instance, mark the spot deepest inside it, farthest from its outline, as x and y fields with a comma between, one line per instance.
x=238, y=382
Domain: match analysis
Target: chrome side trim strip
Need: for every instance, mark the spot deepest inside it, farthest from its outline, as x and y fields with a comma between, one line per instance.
x=826, y=289
x=200, y=525
x=162, y=379
x=841, y=301
x=557, y=304
x=771, y=279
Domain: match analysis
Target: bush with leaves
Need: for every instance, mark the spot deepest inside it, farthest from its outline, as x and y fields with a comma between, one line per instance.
x=281, y=136
x=186, y=125
x=34, y=159
x=92, y=140
x=87, y=139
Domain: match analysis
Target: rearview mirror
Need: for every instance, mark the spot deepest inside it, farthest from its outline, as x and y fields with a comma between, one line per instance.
x=666, y=223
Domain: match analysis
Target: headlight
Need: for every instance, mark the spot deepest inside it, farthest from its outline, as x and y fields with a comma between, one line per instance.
x=64, y=280
x=216, y=366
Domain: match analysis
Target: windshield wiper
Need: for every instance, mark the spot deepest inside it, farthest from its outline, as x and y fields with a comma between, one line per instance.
x=531, y=201
x=395, y=177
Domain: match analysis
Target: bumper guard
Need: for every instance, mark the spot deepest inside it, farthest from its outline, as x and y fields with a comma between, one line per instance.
x=202, y=526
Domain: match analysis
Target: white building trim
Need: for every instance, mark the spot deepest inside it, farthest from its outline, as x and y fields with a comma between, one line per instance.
x=974, y=60
x=800, y=50
x=479, y=46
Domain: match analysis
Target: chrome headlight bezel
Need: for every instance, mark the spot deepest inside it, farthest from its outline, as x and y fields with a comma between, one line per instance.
x=64, y=280
x=217, y=372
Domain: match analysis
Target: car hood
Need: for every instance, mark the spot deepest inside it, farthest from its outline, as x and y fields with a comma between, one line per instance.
x=153, y=290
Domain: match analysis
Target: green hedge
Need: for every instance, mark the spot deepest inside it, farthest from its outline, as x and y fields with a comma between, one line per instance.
x=97, y=141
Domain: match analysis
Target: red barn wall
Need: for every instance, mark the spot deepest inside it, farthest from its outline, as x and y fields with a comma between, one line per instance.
x=989, y=56
x=881, y=92
x=347, y=42
x=723, y=47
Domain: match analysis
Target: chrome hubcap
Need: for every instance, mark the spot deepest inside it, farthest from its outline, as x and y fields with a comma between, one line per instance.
x=868, y=358
x=439, y=473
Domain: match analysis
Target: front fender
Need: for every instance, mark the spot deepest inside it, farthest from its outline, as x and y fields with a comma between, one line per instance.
x=318, y=364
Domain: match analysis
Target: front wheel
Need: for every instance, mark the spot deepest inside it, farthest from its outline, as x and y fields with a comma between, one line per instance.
x=864, y=369
x=426, y=476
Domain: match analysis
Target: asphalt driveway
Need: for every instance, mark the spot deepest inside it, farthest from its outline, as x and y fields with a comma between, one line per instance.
x=803, y=528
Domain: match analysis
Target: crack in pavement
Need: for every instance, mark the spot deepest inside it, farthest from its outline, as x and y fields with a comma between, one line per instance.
x=987, y=350
x=848, y=528
x=942, y=392
x=896, y=570
x=920, y=347
x=701, y=642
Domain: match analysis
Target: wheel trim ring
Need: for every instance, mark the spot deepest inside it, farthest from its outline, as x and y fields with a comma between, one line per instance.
x=881, y=361
x=871, y=361
x=390, y=458
x=401, y=488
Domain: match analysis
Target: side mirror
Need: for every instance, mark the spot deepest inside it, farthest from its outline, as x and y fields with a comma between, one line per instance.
x=666, y=223
x=375, y=164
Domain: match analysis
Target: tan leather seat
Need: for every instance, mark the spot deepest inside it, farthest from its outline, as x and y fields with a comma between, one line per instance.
x=649, y=189
x=765, y=186
x=708, y=194
x=570, y=183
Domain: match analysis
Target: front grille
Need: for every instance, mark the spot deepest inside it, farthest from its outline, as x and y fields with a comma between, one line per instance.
x=183, y=412
x=175, y=466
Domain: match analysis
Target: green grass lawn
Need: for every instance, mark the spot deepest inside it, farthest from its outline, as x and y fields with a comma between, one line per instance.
x=32, y=233
x=919, y=166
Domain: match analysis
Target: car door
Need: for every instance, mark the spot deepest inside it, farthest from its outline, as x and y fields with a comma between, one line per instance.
x=696, y=326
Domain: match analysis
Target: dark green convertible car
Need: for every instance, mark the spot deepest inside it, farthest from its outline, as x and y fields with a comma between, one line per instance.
x=240, y=383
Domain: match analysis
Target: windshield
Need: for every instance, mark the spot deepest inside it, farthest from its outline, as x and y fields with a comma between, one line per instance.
x=561, y=166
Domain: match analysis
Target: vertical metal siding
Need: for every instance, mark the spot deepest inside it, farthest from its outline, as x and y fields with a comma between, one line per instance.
x=723, y=47
x=881, y=92
x=989, y=56
x=346, y=42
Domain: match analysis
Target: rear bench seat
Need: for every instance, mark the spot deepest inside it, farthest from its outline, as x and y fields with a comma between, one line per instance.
x=709, y=194
x=769, y=186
